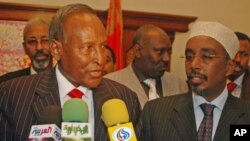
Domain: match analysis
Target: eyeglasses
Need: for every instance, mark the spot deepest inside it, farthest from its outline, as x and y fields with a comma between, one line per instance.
x=205, y=57
x=34, y=42
x=242, y=54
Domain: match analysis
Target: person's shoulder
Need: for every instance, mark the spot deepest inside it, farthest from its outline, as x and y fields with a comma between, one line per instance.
x=112, y=83
x=26, y=80
x=115, y=74
x=168, y=100
x=169, y=75
x=15, y=74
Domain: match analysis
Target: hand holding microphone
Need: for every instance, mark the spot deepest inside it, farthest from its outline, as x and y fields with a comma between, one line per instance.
x=116, y=118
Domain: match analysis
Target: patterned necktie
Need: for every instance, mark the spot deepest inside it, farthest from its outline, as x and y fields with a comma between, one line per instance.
x=152, y=90
x=231, y=86
x=75, y=93
x=206, y=126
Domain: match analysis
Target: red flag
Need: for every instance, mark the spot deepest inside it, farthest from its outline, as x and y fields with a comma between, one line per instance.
x=115, y=31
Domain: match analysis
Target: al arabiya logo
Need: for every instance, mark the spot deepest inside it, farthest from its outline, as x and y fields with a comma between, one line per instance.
x=122, y=134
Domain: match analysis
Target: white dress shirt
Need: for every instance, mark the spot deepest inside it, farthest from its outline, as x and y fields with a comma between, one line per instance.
x=65, y=87
x=219, y=103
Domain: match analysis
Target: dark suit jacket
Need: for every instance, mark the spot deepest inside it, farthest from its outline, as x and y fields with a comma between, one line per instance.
x=23, y=99
x=172, y=119
x=245, y=91
x=18, y=73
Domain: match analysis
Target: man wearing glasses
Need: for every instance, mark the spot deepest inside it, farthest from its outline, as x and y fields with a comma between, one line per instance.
x=207, y=111
x=240, y=79
x=36, y=46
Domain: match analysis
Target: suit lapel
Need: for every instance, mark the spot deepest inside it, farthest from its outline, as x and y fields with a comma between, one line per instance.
x=136, y=84
x=231, y=114
x=245, y=90
x=183, y=118
x=46, y=93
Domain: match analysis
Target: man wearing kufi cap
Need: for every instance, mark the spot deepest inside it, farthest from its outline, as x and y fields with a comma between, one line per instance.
x=206, y=112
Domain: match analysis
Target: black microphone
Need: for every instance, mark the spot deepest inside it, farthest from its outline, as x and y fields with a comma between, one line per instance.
x=52, y=114
x=48, y=125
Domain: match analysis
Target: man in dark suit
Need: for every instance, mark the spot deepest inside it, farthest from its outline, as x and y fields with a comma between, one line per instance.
x=241, y=76
x=77, y=38
x=207, y=110
x=36, y=46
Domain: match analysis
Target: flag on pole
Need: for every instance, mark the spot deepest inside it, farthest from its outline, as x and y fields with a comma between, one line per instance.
x=115, y=31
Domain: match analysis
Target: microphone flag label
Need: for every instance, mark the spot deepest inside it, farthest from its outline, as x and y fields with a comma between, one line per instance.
x=122, y=132
x=45, y=131
x=76, y=130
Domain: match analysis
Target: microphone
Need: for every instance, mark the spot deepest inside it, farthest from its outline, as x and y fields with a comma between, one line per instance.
x=116, y=118
x=75, y=115
x=47, y=128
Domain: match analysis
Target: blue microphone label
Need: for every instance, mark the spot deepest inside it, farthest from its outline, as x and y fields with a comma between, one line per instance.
x=239, y=132
x=122, y=134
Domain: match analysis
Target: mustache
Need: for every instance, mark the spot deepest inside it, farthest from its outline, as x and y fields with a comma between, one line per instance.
x=41, y=52
x=237, y=64
x=195, y=73
x=162, y=65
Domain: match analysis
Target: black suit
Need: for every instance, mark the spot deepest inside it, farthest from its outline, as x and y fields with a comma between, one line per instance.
x=172, y=119
x=23, y=99
x=18, y=73
x=245, y=90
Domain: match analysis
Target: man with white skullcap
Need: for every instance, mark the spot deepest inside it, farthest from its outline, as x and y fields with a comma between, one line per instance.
x=206, y=112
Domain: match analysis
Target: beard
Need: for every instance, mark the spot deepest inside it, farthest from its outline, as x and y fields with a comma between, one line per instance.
x=198, y=91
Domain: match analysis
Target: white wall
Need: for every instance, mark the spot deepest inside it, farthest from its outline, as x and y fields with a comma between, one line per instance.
x=233, y=13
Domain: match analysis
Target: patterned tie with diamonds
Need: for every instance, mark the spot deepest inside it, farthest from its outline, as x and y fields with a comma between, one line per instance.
x=206, y=126
x=75, y=93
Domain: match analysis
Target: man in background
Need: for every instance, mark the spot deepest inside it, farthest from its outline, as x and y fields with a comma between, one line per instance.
x=207, y=111
x=239, y=85
x=147, y=75
x=36, y=46
x=109, y=60
x=77, y=38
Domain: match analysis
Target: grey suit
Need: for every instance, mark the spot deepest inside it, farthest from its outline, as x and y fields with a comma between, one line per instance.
x=23, y=99
x=172, y=119
x=171, y=85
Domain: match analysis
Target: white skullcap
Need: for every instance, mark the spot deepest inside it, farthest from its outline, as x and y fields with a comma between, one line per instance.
x=219, y=32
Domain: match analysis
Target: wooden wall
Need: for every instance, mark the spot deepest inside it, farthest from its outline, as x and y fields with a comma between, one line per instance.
x=132, y=20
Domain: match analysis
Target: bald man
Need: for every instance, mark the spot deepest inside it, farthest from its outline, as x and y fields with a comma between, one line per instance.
x=153, y=51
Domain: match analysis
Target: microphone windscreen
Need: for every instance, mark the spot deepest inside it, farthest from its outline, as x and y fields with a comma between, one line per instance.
x=51, y=114
x=75, y=110
x=114, y=111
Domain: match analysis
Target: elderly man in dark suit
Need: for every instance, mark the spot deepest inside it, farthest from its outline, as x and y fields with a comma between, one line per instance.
x=208, y=110
x=77, y=38
x=36, y=46
x=239, y=81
